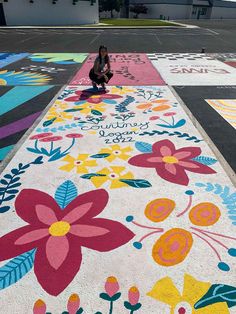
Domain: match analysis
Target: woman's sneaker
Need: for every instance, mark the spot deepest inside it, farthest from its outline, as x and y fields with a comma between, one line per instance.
x=95, y=86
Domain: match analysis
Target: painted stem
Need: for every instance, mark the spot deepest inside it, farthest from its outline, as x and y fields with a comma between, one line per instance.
x=152, y=228
x=217, y=234
x=36, y=145
x=212, y=247
x=51, y=148
x=207, y=235
x=72, y=144
x=188, y=206
x=111, y=307
x=149, y=234
x=166, y=122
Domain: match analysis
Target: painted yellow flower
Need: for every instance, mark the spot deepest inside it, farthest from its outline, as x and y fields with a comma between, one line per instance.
x=116, y=151
x=165, y=291
x=112, y=174
x=121, y=90
x=88, y=107
x=58, y=112
x=81, y=163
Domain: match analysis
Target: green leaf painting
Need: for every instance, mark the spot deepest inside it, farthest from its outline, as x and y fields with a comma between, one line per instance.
x=218, y=293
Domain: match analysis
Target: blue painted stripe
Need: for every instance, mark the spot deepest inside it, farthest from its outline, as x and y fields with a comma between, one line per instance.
x=5, y=150
x=20, y=94
x=8, y=58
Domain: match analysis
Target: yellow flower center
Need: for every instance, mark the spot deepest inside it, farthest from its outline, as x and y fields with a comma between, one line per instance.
x=170, y=160
x=59, y=228
x=113, y=176
x=78, y=162
x=3, y=82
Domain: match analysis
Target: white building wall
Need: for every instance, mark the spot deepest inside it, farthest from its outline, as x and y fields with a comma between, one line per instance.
x=43, y=12
x=171, y=10
x=225, y=13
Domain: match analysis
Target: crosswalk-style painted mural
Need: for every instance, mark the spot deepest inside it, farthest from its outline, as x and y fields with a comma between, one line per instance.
x=114, y=203
x=226, y=108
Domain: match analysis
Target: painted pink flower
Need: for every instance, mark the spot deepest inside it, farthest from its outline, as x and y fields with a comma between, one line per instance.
x=40, y=136
x=91, y=97
x=153, y=118
x=51, y=139
x=169, y=114
x=39, y=307
x=74, y=135
x=58, y=235
x=133, y=295
x=73, y=304
x=111, y=286
x=170, y=163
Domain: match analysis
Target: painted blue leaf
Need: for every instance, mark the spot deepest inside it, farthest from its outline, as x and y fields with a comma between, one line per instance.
x=225, y=192
x=201, y=185
x=137, y=183
x=16, y=268
x=65, y=193
x=218, y=293
x=8, y=198
x=38, y=161
x=218, y=189
x=57, y=156
x=44, y=152
x=100, y=156
x=210, y=187
x=232, y=217
x=4, y=209
x=96, y=112
x=180, y=123
x=91, y=175
x=165, y=125
x=143, y=147
x=208, y=161
x=32, y=150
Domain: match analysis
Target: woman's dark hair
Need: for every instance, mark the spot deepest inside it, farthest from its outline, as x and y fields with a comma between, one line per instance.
x=100, y=56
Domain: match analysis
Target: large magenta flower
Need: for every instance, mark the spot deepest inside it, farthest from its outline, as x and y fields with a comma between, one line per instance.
x=171, y=164
x=93, y=97
x=59, y=234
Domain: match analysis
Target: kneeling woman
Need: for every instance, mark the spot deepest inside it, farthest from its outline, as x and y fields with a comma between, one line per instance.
x=101, y=71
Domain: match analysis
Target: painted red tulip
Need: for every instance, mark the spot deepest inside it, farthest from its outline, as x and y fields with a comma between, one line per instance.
x=73, y=304
x=74, y=135
x=40, y=136
x=111, y=286
x=133, y=295
x=39, y=307
x=169, y=114
x=51, y=139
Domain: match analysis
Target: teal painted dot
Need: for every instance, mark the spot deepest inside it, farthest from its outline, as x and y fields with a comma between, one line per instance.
x=232, y=252
x=138, y=245
x=223, y=266
x=189, y=192
x=129, y=218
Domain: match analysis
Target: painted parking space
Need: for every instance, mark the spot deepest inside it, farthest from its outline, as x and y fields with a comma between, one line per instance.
x=226, y=108
x=128, y=69
x=218, y=129
x=69, y=211
x=8, y=58
x=20, y=106
x=42, y=69
x=193, y=69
